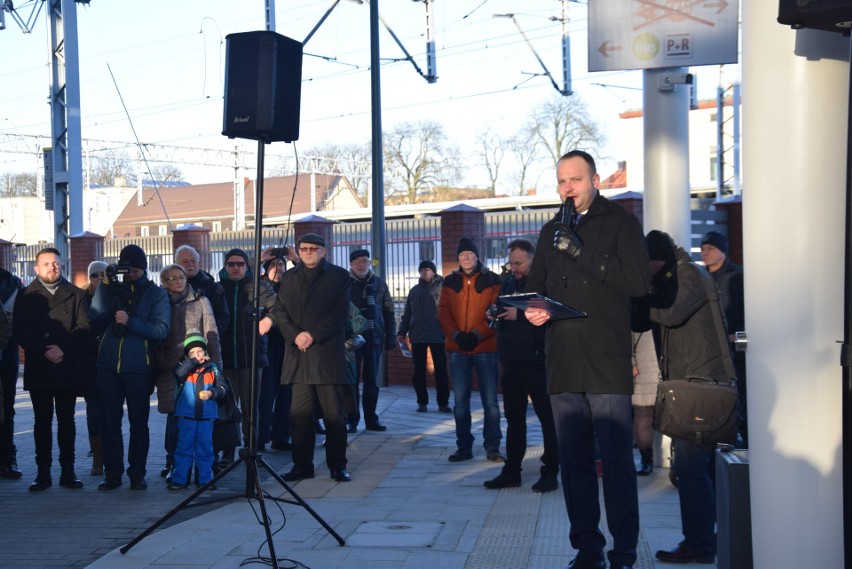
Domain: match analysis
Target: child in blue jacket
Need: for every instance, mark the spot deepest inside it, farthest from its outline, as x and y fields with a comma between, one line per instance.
x=195, y=409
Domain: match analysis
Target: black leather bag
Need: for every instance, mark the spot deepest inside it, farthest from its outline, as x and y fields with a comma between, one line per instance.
x=698, y=411
x=226, y=429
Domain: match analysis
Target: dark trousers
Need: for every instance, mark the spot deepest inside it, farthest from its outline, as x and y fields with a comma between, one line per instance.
x=44, y=403
x=581, y=419
x=367, y=369
x=171, y=437
x=442, y=382
x=8, y=383
x=135, y=390
x=267, y=391
x=519, y=383
x=281, y=415
x=94, y=414
x=696, y=487
x=330, y=398
x=241, y=385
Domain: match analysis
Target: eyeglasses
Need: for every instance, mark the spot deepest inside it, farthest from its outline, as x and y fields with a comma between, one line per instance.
x=309, y=249
x=97, y=275
x=175, y=278
x=232, y=264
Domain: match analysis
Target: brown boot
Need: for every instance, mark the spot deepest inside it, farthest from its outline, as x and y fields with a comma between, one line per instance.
x=96, y=444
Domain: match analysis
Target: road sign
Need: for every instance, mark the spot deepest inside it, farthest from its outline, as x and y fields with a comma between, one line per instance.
x=648, y=34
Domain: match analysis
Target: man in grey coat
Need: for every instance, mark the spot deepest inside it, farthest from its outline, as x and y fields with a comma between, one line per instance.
x=311, y=311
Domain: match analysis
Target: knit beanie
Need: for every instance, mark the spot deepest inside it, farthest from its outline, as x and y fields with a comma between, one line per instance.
x=358, y=253
x=466, y=244
x=194, y=340
x=133, y=256
x=427, y=265
x=96, y=267
x=661, y=247
x=236, y=252
x=717, y=240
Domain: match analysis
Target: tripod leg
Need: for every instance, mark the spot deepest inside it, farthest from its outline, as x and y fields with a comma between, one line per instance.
x=179, y=507
x=258, y=490
x=301, y=502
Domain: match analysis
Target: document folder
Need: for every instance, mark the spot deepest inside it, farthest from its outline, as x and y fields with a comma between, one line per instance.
x=557, y=310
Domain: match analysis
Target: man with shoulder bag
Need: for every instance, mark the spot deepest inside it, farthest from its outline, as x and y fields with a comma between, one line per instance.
x=696, y=366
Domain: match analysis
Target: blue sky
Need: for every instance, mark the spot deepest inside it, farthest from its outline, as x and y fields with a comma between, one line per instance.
x=167, y=58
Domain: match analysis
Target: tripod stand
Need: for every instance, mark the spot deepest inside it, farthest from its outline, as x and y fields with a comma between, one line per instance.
x=249, y=455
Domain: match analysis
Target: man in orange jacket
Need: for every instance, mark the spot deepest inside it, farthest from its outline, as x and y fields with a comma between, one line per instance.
x=467, y=295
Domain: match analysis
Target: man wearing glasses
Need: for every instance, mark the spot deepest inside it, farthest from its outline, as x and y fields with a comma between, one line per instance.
x=237, y=280
x=311, y=312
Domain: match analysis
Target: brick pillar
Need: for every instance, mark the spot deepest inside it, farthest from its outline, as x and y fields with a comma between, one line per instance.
x=315, y=224
x=85, y=247
x=733, y=207
x=632, y=202
x=7, y=254
x=456, y=222
x=198, y=238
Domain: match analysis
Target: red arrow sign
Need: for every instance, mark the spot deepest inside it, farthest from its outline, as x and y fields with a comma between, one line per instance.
x=606, y=48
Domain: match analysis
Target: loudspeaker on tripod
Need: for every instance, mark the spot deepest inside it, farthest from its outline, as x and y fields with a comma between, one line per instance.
x=263, y=83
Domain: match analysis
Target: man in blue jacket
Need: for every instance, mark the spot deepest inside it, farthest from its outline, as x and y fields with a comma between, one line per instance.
x=137, y=312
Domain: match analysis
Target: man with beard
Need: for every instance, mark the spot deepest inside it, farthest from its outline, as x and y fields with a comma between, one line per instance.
x=51, y=321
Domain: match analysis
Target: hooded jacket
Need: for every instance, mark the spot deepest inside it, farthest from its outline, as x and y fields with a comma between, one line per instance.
x=236, y=341
x=420, y=316
x=205, y=377
x=464, y=302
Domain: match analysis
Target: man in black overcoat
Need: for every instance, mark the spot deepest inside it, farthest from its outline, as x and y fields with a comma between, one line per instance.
x=311, y=312
x=51, y=322
x=592, y=257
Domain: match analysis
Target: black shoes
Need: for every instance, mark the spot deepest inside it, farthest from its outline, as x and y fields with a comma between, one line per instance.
x=341, y=475
x=460, y=455
x=647, y=466
x=10, y=471
x=684, y=554
x=43, y=480
x=445, y=409
x=495, y=456
x=421, y=409
x=281, y=446
x=138, y=484
x=352, y=428
x=376, y=427
x=68, y=478
x=503, y=480
x=547, y=482
x=578, y=563
x=110, y=483
x=297, y=474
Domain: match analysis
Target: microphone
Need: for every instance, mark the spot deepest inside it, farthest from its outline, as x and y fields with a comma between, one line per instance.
x=568, y=212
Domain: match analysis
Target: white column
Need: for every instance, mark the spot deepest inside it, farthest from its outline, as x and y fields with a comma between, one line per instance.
x=795, y=106
x=666, y=139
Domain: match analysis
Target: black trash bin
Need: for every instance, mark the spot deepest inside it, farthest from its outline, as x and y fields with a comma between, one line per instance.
x=733, y=510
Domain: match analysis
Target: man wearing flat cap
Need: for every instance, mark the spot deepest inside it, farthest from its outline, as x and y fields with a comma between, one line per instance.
x=137, y=315
x=311, y=311
x=728, y=277
x=370, y=294
x=420, y=323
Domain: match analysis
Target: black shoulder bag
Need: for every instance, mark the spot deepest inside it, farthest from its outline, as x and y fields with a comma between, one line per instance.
x=701, y=411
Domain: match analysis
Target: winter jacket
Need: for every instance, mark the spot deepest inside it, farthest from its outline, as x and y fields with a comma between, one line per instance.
x=190, y=311
x=147, y=306
x=236, y=341
x=321, y=307
x=42, y=319
x=420, y=316
x=355, y=326
x=690, y=341
x=205, y=377
x=592, y=355
x=203, y=281
x=464, y=301
x=381, y=320
x=518, y=341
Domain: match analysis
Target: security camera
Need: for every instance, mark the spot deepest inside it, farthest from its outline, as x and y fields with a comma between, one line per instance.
x=667, y=81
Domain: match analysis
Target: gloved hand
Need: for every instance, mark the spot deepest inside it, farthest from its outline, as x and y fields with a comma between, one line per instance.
x=567, y=242
x=467, y=341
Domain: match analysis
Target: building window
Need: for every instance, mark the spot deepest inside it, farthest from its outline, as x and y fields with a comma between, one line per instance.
x=217, y=226
x=143, y=231
x=163, y=230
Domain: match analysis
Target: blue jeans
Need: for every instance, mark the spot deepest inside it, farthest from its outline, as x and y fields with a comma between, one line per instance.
x=461, y=372
x=136, y=390
x=696, y=483
x=582, y=419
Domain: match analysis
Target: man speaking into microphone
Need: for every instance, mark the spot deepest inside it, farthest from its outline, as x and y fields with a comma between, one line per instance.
x=592, y=257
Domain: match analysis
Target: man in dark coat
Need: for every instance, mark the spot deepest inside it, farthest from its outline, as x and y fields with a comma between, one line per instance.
x=593, y=263
x=51, y=321
x=690, y=347
x=311, y=311
x=10, y=285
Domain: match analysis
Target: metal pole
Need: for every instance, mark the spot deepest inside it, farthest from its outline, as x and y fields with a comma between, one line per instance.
x=378, y=195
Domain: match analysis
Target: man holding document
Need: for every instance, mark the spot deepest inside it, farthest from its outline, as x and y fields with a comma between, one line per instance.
x=592, y=257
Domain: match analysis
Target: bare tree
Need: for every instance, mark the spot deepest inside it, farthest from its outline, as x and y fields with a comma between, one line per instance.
x=418, y=158
x=491, y=149
x=20, y=184
x=562, y=124
x=166, y=173
x=108, y=165
x=525, y=149
x=353, y=162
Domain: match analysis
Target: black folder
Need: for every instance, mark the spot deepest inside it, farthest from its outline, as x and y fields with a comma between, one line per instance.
x=524, y=300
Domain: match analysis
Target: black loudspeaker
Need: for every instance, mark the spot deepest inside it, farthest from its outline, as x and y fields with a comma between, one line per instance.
x=263, y=86
x=829, y=15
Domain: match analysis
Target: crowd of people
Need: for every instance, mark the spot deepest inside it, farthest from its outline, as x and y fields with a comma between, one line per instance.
x=320, y=335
